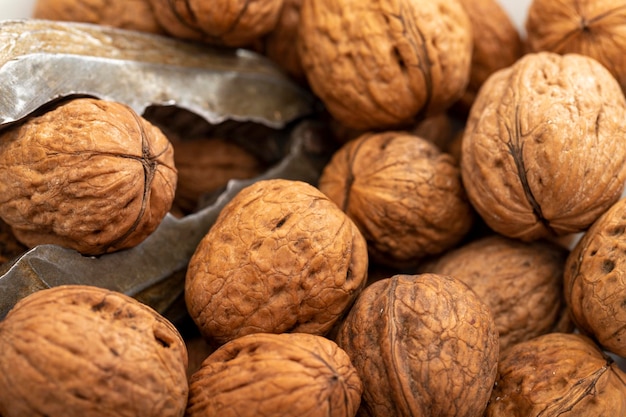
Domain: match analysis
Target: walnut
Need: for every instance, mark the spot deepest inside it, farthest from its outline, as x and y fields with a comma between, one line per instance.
x=594, y=283
x=124, y=14
x=596, y=28
x=557, y=374
x=422, y=345
x=205, y=165
x=10, y=247
x=85, y=351
x=290, y=374
x=405, y=195
x=522, y=283
x=281, y=257
x=224, y=22
x=539, y=156
x=90, y=175
x=380, y=65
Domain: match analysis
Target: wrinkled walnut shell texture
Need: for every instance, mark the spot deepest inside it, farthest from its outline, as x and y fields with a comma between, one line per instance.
x=281, y=257
x=422, y=345
x=405, y=195
x=90, y=175
x=595, y=281
x=557, y=374
x=84, y=351
x=290, y=374
x=539, y=156
x=378, y=64
x=522, y=283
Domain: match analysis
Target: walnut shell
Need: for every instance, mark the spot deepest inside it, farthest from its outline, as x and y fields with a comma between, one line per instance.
x=405, y=195
x=539, y=156
x=596, y=28
x=423, y=345
x=594, y=280
x=84, y=351
x=10, y=247
x=90, y=175
x=379, y=65
x=281, y=257
x=290, y=374
x=522, y=283
x=557, y=374
x=124, y=14
x=225, y=22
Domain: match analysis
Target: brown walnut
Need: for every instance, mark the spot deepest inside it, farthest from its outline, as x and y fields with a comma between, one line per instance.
x=557, y=374
x=84, y=351
x=522, y=283
x=405, y=195
x=264, y=374
x=423, y=345
x=539, y=156
x=380, y=65
x=90, y=175
x=281, y=257
x=596, y=28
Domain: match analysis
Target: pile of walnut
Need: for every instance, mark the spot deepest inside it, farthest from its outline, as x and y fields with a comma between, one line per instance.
x=462, y=254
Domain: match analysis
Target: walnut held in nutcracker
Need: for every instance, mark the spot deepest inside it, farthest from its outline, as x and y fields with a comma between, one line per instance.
x=557, y=374
x=522, y=283
x=405, y=195
x=596, y=28
x=539, y=156
x=290, y=374
x=378, y=64
x=84, y=351
x=281, y=257
x=423, y=345
x=90, y=175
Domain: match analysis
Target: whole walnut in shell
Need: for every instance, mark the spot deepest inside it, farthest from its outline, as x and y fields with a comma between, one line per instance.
x=281, y=257
x=522, y=283
x=290, y=374
x=405, y=195
x=423, y=345
x=90, y=175
x=596, y=28
x=380, y=65
x=557, y=374
x=539, y=156
x=84, y=351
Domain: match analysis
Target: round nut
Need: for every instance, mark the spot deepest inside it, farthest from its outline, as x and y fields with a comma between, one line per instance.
x=422, y=345
x=84, y=351
x=90, y=175
x=290, y=374
x=379, y=65
x=281, y=257
x=539, y=156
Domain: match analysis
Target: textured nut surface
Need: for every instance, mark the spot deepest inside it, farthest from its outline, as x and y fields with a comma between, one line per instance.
x=125, y=14
x=226, y=22
x=378, y=64
x=10, y=247
x=281, y=257
x=290, y=374
x=539, y=155
x=422, y=345
x=595, y=280
x=557, y=374
x=90, y=175
x=405, y=195
x=522, y=283
x=596, y=28
x=86, y=351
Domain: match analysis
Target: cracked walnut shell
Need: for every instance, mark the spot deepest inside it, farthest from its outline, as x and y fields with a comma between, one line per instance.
x=264, y=374
x=82, y=351
x=90, y=175
x=281, y=257
x=539, y=155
